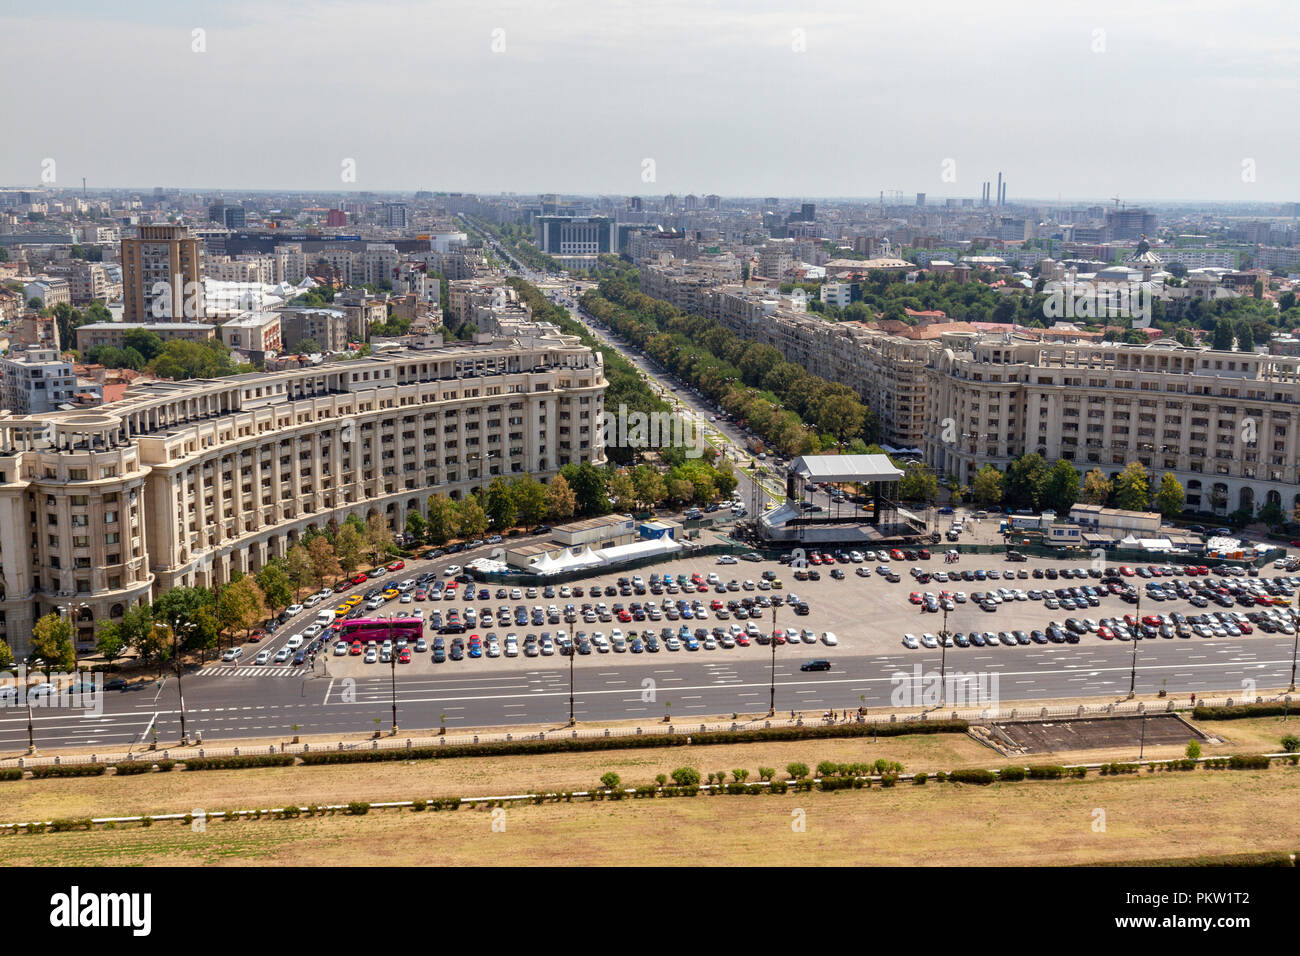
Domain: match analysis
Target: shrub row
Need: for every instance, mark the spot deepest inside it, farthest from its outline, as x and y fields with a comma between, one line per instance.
x=11, y=773
x=242, y=762
x=70, y=770
x=1114, y=769
x=973, y=775
x=574, y=745
x=1011, y=773
x=1230, y=859
x=1238, y=711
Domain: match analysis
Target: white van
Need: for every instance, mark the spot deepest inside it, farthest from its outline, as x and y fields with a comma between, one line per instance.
x=325, y=618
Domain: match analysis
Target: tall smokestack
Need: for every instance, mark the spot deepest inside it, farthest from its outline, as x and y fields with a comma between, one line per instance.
x=1002, y=200
x=999, y=199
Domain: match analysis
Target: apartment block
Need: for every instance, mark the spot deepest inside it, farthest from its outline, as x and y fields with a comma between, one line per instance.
x=184, y=483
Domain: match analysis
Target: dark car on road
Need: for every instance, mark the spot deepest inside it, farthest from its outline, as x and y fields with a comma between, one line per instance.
x=815, y=666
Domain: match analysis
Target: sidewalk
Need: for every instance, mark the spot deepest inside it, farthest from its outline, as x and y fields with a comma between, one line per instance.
x=1026, y=710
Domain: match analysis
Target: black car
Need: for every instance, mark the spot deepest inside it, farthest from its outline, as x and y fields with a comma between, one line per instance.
x=815, y=666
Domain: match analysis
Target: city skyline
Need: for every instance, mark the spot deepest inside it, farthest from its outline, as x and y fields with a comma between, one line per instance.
x=573, y=97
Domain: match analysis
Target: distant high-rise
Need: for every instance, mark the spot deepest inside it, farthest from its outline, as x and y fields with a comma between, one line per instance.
x=162, y=275
x=232, y=217
x=808, y=212
x=920, y=199
x=336, y=218
x=393, y=215
x=635, y=204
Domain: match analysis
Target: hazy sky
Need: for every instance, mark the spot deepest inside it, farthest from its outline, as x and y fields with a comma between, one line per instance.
x=1087, y=100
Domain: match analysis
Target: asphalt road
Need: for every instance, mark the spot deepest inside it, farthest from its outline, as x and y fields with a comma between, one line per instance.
x=622, y=688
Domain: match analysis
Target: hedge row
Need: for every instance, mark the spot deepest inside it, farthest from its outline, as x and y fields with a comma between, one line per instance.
x=1238, y=711
x=973, y=775
x=129, y=767
x=239, y=763
x=11, y=773
x=1231, y=859
x=70, y=770
x=574, y=745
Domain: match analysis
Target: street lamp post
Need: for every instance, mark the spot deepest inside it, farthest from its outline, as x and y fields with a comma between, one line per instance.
x=943, y=658
x=1137, y=632
x=1295, y=644
x=573, y=653
x=392, y=664
x=771, y=707
x=176, y=664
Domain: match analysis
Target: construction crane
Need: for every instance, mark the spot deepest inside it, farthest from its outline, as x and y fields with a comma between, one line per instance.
x=1117, y=202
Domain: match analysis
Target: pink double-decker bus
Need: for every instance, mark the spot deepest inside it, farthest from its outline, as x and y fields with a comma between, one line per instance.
x=376, y=630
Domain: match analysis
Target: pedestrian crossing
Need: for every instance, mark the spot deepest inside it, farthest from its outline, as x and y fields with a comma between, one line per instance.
x=268, y=670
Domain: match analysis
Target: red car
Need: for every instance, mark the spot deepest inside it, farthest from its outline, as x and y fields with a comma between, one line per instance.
x=342, y=585
x=359, y=578
x=914, y=597
x=742, y=640
x=778, y=637
x=1127, y=571
x=404, y=656
x=814, y=558
x=1105, y=633
x=397, y=566
x=356, y=649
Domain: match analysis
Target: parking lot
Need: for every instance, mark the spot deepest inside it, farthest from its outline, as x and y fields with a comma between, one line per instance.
x=866, y=613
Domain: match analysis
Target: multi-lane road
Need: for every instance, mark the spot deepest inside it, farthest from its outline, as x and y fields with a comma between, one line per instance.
x=687, y=685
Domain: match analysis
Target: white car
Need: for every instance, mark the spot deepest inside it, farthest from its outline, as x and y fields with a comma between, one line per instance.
x=512, y=645
x=263, y=657
x=293, y=610
x=233, y=654
x=311, y=630
x=829, y=639
x=341, y=649
x=371, y=655
x=910, y=642
x=451, y=570
x=929, y=640
x=312, y=600
x=727, y=559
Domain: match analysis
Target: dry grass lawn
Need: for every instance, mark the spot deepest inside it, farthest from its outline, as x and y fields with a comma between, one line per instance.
x=1175, y=814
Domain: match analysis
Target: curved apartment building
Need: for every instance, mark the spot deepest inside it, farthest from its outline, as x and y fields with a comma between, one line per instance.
x=183, y=483
x=1226, y=424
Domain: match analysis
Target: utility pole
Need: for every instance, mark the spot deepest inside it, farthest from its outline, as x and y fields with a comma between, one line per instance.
x=1137, y=632
x=943, y=657
x=392, y=664
x=1295, y=643
x=573, y=652
x=771, y=708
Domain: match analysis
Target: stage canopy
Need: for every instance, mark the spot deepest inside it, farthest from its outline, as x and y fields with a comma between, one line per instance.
x=838, y=468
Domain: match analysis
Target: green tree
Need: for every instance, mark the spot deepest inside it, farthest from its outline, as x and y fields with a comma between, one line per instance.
x=325, y=567
x=1060, y=488
x=1096, y=487
x=1131, y=489
x=686, y=777
x=919, y=483
x=588, y=484
x=6, y=655
x=240, y=605
x=52, y=643
x=471, y=519
x=610, y=780
x=1245, y=336
x=274, y=582
x=1223, y=335
x=416, y=527
x=349, y=545
x=987, y=488
x=298, y=567
x=146, y=343
x=501, y=509
x=109, y=643
x=530, y=498
x=379, y=537
x=1170, y=498
x=622, y=491
x=561, y=502
x=441, y=519
x=797, y=771
x=1193, y=750
x=1023, y=485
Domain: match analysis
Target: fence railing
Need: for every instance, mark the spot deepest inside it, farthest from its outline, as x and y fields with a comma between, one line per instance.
x=680, y=728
